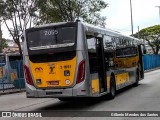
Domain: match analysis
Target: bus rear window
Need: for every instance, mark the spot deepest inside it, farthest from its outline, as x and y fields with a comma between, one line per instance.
x=126, y=52
x=51, y=38
x=52, y=57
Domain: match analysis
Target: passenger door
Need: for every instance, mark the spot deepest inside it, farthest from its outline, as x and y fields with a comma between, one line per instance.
x=102, y=65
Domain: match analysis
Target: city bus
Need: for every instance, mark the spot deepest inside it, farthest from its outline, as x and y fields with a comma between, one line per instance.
x=74, y=59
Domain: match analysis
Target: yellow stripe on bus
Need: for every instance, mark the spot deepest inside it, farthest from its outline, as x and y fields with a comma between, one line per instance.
x=122, y=78
x=95, y=86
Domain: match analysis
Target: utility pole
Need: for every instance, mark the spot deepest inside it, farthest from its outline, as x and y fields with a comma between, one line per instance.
x=159, y=10
x=131, y=16
x=0, y=38
x=138, y=31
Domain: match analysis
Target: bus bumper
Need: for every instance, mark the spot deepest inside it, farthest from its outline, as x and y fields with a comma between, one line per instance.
x=32, y=92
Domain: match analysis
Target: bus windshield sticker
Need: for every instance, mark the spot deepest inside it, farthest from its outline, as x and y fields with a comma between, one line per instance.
x=38, y=69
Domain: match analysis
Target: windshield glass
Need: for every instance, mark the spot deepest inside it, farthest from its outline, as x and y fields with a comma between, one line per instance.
x=51, y=38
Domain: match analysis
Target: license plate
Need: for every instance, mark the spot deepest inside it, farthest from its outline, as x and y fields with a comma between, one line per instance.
x=53, y=82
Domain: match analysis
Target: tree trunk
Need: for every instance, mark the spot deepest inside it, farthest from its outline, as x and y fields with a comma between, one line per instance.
x=20, y=49
x=157, y=50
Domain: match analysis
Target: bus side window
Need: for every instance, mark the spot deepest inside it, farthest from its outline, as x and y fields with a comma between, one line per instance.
x=108, y=50
x=91, y=42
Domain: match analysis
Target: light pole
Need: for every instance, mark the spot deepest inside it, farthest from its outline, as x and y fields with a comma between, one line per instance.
x=0, y=38
x=131, y=16
x=159, y=10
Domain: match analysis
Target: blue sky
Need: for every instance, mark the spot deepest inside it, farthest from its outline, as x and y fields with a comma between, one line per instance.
x=145, y=14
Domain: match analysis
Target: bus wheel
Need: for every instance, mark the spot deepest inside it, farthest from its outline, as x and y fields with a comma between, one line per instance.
x=112, y=93
x=137, y=79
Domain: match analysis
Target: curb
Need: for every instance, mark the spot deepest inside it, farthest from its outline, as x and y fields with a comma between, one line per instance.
x=11, y=92
x=151, y=70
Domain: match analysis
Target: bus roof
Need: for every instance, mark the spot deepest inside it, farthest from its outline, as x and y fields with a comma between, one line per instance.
x=90, y=27
x=108, y=31
x=50, y=24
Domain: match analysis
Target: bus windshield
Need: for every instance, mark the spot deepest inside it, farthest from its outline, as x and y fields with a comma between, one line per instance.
x=2, y=60
x=51, y=38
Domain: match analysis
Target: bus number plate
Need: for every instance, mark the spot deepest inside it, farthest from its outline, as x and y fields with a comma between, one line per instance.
x=53, y=82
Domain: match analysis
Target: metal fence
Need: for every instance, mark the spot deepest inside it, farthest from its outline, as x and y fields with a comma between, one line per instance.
x=151, y=62
x=8, y=85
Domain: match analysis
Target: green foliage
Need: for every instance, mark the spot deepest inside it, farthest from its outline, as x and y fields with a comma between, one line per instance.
x=4, y=43
x=70, y=10
x=152, y=36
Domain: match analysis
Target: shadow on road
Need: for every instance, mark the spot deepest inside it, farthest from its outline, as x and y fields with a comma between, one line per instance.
x=86, y=103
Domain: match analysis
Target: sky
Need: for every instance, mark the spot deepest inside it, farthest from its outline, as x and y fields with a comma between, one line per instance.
x=145, y=14
x=118, y=14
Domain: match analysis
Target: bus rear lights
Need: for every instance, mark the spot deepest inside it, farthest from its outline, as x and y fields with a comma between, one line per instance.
x=28, y=75
x=81, y=72
x=68, y=82
x=38, y=81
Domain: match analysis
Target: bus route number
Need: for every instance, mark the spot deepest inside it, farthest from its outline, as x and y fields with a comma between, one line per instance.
x=50, y=32
x=65, y=66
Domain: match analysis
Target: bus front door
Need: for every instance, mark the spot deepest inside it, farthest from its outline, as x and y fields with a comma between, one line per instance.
x=101, y=64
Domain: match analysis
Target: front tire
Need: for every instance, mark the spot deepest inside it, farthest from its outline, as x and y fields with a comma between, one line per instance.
x=112, y=93
x=137, y=79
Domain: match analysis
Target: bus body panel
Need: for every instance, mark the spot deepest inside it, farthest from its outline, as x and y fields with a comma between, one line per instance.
x=53, y=74
x=61, y=90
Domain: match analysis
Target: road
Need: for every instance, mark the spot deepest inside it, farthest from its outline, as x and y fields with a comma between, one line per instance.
x=145, y=97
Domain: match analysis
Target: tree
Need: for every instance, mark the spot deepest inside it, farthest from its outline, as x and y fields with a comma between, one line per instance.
x=4, y=43
x=152, y=36
x=17, y=16
x=70, y=10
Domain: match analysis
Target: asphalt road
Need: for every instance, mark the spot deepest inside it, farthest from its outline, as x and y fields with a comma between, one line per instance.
x=145, y=97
